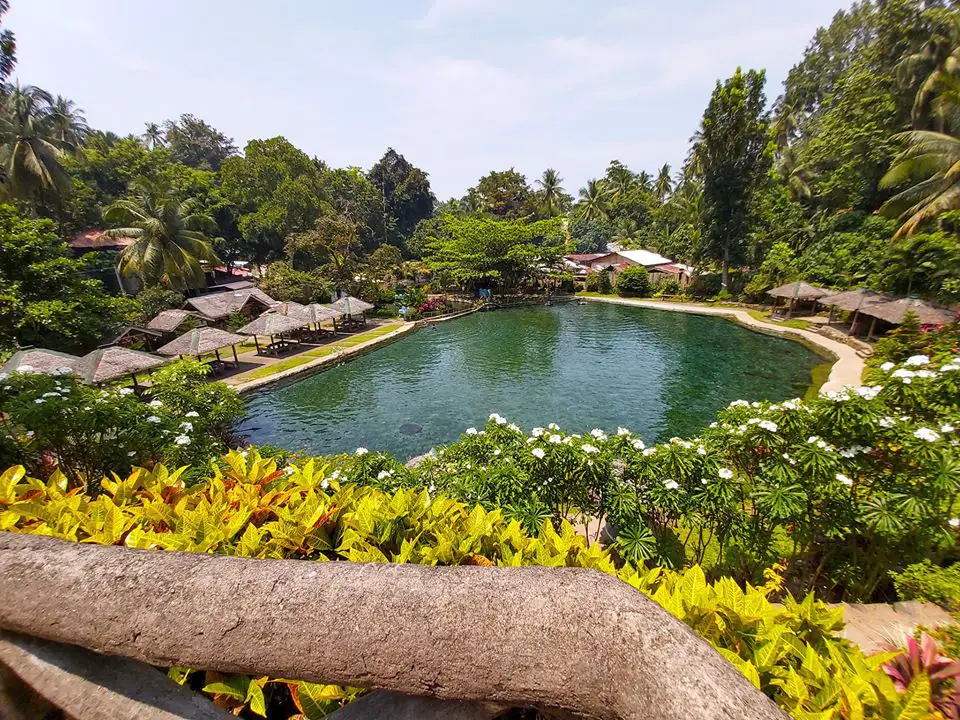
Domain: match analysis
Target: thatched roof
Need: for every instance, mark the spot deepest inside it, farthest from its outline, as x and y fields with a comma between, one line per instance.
x=894, y=310
x=170, y=320
x=274, y=324
x=314, y=312
x=221, y=305
x=351, y=305
x=115, y=362
x=799, y=291
x=38, y=360
x=852, y=300
x=200, y=341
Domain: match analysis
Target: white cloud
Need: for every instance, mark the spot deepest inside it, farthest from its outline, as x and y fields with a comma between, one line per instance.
x=442, y=11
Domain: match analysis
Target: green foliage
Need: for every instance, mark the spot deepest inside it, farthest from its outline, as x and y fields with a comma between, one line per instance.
x=405, y=192
x=281, y=282
x=154, y=300
x=251, y=507
x=778, y=266
x=930, y=583
x=90, y=432
x=590, y=236
x=633, y=281
x=46, y=299
x=599, y=282
x=474, y=251
x=505, y=194
x=196, y=144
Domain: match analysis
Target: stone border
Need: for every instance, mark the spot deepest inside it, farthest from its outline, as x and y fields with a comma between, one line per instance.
x=847, y=368
x=318, y=364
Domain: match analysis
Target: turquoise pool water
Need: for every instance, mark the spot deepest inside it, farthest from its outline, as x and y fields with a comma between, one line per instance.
x=582, y=366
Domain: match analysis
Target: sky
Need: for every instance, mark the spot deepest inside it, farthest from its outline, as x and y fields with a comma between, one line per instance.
x=459, y=87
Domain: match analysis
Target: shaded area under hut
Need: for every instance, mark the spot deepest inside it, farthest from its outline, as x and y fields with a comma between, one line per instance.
x=202, y=341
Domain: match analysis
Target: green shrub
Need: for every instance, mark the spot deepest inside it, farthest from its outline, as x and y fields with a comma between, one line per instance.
x=930, y=583
x=251, y=507
x=633, y=281
x=282, y=282
x=154, y=300
x=599, y=282
x=666, y=287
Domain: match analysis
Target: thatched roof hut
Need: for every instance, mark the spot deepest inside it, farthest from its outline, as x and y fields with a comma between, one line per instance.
x=200, y=341
x=169, y=320
x=271, y=323
x=894, y=310
x=851, y=300
x=314, y=312
x=221, y=305
x=350, y=305
x=799, y=291
x=38, y=360
x=113, y=363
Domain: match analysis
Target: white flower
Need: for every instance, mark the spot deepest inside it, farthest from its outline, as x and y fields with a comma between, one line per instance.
x=39, y=401
x=497, y=419
x=637, y=444
x=869, y=392
x=155, y=419
x=670, y=484
x=132, y=453
x=324, y=484
x=739, y=403
x=382, y=475
x=887, y=422
x=649, y=451
x=155, y=404
x=243, y=454
x=192, y=413
x=555, y=439
x=954, y=522
x=182, y=440
x=29, y=434
x=335, y=475
x=926, y=434
x=126, y=391
x=497, y=451
x=844, y=479
x=812, y=439
x=186, y=427
x=553, y=426
x=589, y=448
x=361, y=451
x=725, y=473
x=538, y=453
x=537, y=432
x=948, y=428
x=50, y=394
x=917, y=360
x=927, y=374
x=598, y=434
x=703, y=481
x=622, y=431
x=289, y=470
x=471, y=431
x=887, y=366
x=515, y=428
x=904, y=375
x=701, y=450
x=768, y=425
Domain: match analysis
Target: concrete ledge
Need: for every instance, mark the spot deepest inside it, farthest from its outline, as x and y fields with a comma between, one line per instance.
x=847, y=367
x=318, y=364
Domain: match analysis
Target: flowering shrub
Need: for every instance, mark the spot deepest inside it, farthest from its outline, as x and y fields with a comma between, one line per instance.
x=249, y=506
x=90, y=432
x=844, y=489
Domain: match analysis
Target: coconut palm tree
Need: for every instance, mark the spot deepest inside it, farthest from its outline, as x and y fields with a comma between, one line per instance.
x=593, y=201
x=550, y=192
x=170, y=244
x=30, y=146
x=785, y=124
x=663, y=184
x=928, y=68
x=153, y=136
x=931, y=162
x=69, y=124
x=797, y=176
x=644, y=180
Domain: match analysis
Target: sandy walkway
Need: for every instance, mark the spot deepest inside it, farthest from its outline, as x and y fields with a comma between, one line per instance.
x=847, y=368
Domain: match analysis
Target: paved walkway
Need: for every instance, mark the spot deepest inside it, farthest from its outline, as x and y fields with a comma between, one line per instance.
x=847, y=368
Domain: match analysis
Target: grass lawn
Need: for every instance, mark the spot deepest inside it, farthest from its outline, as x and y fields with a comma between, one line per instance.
x=764, y=316
x=269, y=370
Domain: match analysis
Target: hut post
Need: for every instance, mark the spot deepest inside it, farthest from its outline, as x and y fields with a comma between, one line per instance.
x=236, y=360
x=873, y=324
x=216, y=353
x=853, y=322
x=133, y=377
x=256, y=343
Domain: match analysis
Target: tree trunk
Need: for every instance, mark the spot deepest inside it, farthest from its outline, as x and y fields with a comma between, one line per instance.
x=725, y=277
x=566, y=638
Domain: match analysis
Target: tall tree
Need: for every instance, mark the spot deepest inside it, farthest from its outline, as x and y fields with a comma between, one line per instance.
x=31, y=151
x=732, y=148
x=8, y=46
x=196, y=144
x=153, y=136
x=68, y=123
x=170, y=244
x=506, y=194
x=407, y=198
x=330, y=246
x=926, y=69
x=593, y=201
x=663, y=185
x=551, y=195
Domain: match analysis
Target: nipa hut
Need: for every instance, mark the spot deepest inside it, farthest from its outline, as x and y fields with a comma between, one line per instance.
x=796, y=293
x=202, y=341
x=38, y=360
x=114, y=363
x=273, y=324
x=351, y=306
x=219, y=306
x=169, y=321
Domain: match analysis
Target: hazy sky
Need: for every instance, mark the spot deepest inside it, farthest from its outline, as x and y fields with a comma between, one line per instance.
x=459, y=87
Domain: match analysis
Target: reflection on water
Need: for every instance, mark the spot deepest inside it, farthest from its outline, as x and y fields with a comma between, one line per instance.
x=582, y=366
